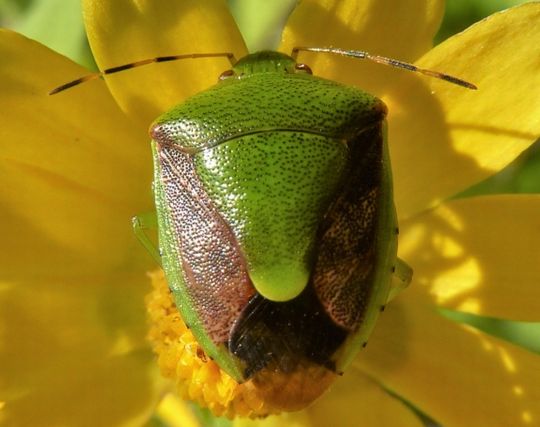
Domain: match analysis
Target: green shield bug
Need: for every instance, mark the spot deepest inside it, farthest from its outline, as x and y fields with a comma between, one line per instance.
x=277, y=227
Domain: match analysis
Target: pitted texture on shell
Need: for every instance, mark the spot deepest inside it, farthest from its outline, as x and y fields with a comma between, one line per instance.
x=267, y=101
x=218, y=284
x=348, y=247
x=273, y=189
x=264, y=149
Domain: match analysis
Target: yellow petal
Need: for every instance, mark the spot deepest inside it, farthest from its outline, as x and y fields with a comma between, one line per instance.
x=71, y=333
x=454, y=373
x=73, y=169
x=125, y=31
x=399, y=29
x=175, y=412
x=444, y=138
x=478, y=255
x=73, y=353
x=355, y=400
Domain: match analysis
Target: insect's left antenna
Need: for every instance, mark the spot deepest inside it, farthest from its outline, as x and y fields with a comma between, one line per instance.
x=124, y=67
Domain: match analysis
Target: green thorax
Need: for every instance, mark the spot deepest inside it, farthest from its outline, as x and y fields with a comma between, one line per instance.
x=267, y=92
x=266, y=61
x=270, y=146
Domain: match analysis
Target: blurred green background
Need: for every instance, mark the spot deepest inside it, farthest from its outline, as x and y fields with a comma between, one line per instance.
x=58, y=24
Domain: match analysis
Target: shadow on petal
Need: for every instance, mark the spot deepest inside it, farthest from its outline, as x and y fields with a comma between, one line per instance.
x=478, y=255
x=401, y=30
x=454, y=373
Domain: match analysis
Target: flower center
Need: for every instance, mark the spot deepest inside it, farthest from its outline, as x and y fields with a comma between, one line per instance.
x=197, y=377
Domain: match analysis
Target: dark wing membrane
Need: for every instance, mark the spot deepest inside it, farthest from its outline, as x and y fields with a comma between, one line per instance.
x=287, y=348
x=284, y=335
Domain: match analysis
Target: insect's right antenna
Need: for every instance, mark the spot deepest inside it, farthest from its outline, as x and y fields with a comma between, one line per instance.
x=124, y=67
x=386, y=61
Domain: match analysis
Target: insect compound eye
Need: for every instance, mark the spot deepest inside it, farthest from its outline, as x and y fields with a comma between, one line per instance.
x=226, y=74
x=303, y=67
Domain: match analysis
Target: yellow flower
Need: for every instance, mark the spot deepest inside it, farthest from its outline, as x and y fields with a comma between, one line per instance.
x=77, y=166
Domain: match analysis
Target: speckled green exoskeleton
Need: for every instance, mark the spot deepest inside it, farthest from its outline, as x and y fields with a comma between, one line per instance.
x=277, y=227
x=276, y=222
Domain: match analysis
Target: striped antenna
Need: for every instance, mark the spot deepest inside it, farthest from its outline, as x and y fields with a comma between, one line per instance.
x=386, y=61
x=124, y=67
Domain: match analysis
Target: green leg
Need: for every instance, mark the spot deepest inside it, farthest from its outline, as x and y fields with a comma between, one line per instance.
x=401, y=279
x=141, y=223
